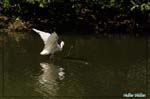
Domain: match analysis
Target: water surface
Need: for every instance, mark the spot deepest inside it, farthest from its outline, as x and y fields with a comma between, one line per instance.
x=87, y=67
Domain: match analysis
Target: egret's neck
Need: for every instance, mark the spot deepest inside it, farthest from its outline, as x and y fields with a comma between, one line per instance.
x=62, y=44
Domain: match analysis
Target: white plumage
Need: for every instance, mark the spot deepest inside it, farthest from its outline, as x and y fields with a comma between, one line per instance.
x=50, y=42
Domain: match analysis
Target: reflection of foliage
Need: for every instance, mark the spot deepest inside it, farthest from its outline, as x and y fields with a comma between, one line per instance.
x=17, y=36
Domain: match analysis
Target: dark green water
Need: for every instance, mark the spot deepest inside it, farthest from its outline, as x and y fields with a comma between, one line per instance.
x=88, y=67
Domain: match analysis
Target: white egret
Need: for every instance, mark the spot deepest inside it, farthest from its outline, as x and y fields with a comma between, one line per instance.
x=50, y=42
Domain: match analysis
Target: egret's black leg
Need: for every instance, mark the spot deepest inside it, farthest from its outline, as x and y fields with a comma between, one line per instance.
x=51, y=57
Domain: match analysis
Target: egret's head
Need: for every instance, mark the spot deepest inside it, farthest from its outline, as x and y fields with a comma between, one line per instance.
x=62, y=44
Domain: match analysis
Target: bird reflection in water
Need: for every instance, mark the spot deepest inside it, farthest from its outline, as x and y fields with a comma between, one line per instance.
x=48, y=80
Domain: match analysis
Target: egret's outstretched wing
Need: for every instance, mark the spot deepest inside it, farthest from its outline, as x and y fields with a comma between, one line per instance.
x=50, y=41
x=44, y=35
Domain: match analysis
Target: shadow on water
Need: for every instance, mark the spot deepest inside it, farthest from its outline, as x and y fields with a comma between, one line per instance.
x=87, y=66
